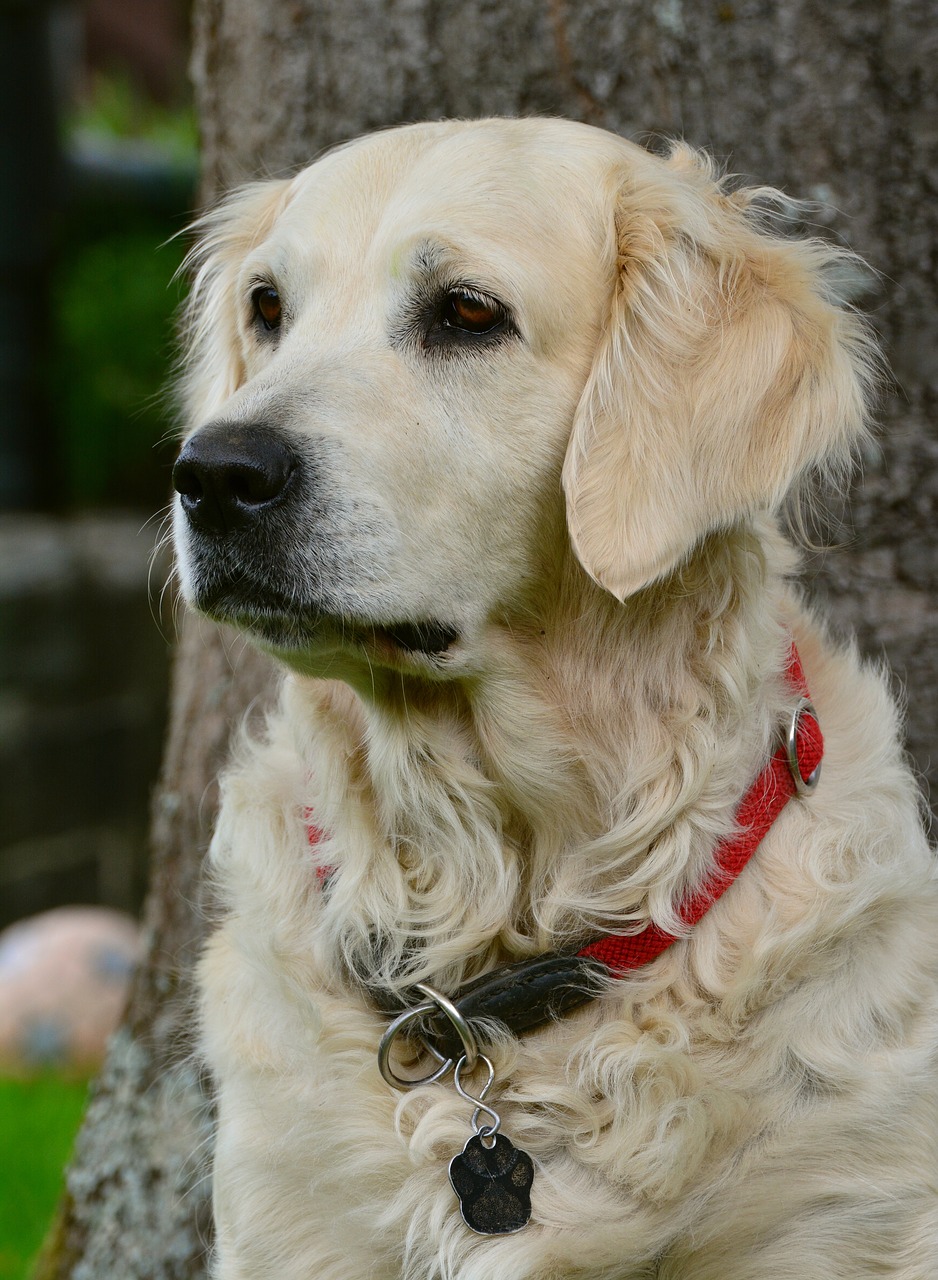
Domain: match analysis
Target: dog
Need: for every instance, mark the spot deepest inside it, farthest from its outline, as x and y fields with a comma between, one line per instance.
x=491, y=425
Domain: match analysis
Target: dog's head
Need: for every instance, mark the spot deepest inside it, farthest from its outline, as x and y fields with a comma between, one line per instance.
x=442, y=352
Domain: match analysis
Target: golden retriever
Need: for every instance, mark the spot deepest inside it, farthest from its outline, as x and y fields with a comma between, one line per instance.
x=491, y=422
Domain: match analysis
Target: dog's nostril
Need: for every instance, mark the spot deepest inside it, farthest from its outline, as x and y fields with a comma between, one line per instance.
x=186, y=481
x=227, y=476
x=253, y=486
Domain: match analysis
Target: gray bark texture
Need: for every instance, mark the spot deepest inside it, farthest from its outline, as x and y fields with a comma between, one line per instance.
x=835, y=102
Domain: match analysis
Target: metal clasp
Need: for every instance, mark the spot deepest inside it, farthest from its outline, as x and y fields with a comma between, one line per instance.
x=435, y=1000
x=803, y=785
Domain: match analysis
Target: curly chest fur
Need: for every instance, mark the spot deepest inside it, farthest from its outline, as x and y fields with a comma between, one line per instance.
x=666, y=1108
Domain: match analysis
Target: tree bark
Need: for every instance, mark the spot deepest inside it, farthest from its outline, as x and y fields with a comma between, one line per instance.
x=836, y=102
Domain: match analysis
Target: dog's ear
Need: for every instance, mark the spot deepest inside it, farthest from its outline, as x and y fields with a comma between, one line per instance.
x=212, y=365
x=725, y=371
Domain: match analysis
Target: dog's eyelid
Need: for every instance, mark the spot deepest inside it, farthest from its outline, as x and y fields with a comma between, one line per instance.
x=443, y=267
x=259, y=278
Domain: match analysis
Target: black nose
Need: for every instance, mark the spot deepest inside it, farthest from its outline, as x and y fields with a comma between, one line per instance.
x=227, y=476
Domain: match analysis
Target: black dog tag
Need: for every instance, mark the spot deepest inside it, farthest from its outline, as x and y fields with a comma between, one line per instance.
x=493, y=1184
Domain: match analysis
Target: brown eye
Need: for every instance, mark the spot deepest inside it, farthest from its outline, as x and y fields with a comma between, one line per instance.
x=472, y=312
x=267, y=306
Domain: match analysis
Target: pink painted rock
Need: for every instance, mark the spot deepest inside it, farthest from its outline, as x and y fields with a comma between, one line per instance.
x=64, y=977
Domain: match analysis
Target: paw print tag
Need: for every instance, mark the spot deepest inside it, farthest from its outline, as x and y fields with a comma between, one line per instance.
x=491, y=1176
x=493, y=1184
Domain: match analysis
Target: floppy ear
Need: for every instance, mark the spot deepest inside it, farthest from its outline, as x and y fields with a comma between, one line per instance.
x=212, y=361
x=725, y=371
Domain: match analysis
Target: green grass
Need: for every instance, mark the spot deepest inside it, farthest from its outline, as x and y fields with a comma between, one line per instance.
x=38, y=1123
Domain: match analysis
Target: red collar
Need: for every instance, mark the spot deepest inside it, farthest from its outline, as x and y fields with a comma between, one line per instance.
x=794, y=769
x=528, y=993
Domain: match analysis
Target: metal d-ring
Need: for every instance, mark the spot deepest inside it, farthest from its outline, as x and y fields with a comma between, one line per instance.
x=803, y=785
x=403, y=1020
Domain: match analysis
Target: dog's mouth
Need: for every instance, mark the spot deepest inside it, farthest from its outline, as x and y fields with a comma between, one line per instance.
x=431, y=638
x=400, y=643
x=287, y=627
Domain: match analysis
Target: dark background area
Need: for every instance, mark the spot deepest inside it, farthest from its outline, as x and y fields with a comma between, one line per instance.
x=97, y=173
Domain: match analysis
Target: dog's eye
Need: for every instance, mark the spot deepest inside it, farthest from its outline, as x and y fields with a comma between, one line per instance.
x=472, y=312
x=458, y=319
x=267, y=306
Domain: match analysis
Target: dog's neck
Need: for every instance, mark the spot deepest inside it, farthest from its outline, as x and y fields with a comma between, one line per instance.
x=580, y=785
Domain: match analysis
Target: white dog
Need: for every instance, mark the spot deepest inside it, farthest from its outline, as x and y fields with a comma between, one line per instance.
x=490, y=425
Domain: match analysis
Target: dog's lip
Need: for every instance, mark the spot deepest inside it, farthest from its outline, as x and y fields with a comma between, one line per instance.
x=431, y=636
x=396, y=644
x=290, y=624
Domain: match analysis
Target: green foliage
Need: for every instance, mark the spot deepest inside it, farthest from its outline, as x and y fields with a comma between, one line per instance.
x=114, y=299
x=117, y=109
x=38, y=1122
x=114, y=302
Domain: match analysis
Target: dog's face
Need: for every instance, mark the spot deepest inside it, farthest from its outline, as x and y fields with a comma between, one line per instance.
x=398, y=354
x=416, y=315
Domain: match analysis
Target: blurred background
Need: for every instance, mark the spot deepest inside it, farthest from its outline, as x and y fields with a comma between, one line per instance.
x=97, y=177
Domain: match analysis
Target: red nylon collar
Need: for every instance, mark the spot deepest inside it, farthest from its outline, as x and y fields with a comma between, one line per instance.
x=757, y=811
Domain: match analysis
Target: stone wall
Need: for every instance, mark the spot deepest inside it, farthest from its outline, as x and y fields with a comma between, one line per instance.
x=83, y=692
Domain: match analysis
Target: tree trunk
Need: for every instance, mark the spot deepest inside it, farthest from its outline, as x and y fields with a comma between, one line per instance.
x=833, y=102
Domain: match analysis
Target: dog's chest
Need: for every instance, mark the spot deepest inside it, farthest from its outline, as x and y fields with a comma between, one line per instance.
x=646, y=1116
x=307, y=1126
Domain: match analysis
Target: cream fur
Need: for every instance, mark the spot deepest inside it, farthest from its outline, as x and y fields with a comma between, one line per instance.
x=762, y=1100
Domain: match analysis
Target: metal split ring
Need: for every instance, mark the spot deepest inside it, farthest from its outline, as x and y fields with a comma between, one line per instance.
x=435, y=1000
x=803, y=785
